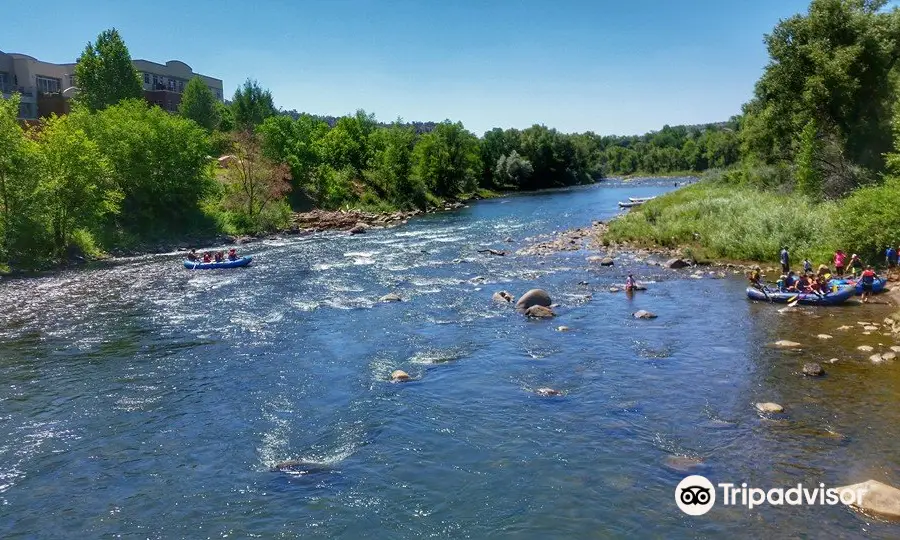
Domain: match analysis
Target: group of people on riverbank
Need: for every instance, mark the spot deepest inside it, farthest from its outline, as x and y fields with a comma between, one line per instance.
x=210, y=257
x=819, y=282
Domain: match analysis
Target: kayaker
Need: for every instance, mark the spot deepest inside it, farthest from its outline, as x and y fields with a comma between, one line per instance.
x=856, y=264
x=785, y=260
x=232, y=254
x=629, y=283
x=192, y=256
x=807, y=265
x=207, y=258
x=755, y=278
x=868, y=283
x=840, y=258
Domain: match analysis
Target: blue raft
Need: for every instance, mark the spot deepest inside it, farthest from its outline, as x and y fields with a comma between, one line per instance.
x=808, y=299
x=877, y=286
x=242, y=261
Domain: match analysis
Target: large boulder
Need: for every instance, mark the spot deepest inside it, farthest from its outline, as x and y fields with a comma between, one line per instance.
x=874, y=497
x=676, y=264
x=539, y=312
x=534, y=297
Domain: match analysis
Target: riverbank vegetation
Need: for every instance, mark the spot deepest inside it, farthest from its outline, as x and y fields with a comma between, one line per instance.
x=118, y=172
x=819, y=154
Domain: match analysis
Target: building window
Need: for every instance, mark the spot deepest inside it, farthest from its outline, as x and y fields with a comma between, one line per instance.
x=4, y=82
x=146, y=78
x=47, y=85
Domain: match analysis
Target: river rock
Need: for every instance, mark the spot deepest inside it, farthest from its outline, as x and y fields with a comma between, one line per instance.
x=844, y=328
x=539, y=312
x=563, y=329
x=895, y=348
x=769, y=407
x=398, y=375
x=874, y=497
x=833, y=361
x=606, y=262
x=870, y=328
x=824, y=336
x=675, y=264
x=876, y=358
x=359, y=228
x=502, y=296
x=547, y=392
x=785, y=344
x=643, y=314
x=888, y=356
x=613, y=289
x=508, y=239
x=534, y=297
x=865, y=348
x=812, y=369
x=391, y=297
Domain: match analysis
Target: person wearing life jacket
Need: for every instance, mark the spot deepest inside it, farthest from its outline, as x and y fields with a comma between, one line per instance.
x=890, y=256
x=207, y=258
x=220, y=256
x=781, y=284
x=232, y=254
x=755, y=278
x=803, y=284
x=790, y=282
x=868, y=283
x=192, y=256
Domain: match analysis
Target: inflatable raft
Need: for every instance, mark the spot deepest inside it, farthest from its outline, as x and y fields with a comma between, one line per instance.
x=877, y=286
x=241, y=261
x=808, y=299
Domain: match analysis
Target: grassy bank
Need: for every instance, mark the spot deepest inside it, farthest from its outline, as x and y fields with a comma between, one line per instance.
x=717, y=221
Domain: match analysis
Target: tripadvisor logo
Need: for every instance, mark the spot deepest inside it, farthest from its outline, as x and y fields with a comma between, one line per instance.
x=696, y=495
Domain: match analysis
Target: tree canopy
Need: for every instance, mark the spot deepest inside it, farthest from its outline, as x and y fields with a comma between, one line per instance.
x=251, y=105
x=104, y=73
x=199, y=104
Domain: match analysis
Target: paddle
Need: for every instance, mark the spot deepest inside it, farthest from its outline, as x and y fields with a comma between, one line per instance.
x=792, y=301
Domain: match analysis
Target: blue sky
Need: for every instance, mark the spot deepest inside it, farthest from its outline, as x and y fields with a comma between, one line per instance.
x=620, y=67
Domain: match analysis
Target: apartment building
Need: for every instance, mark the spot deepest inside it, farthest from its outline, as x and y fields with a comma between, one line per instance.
x=46, y=87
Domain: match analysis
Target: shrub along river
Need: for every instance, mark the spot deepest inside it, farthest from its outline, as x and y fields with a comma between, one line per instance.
x=145, y=400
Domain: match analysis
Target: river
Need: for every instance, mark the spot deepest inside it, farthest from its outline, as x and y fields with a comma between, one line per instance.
x=144, y=400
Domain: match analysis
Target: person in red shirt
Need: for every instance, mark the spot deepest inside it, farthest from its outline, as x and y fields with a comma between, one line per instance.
x=868, y=282
x=207, y=258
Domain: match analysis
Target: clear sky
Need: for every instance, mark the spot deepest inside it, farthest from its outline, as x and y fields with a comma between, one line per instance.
x=613, y=67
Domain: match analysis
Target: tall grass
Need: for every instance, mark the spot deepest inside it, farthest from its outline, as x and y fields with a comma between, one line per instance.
x=732, y=222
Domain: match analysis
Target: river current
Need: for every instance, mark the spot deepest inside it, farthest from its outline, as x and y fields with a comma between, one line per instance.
x=142, y=400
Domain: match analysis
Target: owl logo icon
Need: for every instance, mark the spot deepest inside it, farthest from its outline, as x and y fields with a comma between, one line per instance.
x=695, y=495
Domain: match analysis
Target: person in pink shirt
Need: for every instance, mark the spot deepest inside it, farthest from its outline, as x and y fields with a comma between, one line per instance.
x=840, y=259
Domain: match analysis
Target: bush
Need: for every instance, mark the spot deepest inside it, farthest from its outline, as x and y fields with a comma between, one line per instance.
x=869, y=221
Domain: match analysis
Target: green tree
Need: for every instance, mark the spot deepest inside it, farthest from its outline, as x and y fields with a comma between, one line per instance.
x=809, y=177
x=20, y=233
x=495, y=144
x=513, y=170
x=199, y=104
x=391, y=165
x=104, y=73
x=226, y=117
x=298, y=144
x=160, y=162
x=447, y=160
x=75, y=186
x=251, y=105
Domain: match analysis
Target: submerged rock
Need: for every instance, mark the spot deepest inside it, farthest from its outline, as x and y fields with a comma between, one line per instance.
x=614, y=289
x=874, y=497
x=299, y=466
x=547, y=392
x=534, y=297
x=539, y=312
x=683, y=464
x=812, y=369
x=785, y=344
x=876, y=358
x=398, y=375
x=769, y=407
x=643, y=314
x=563, y=329
x=676, y=264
